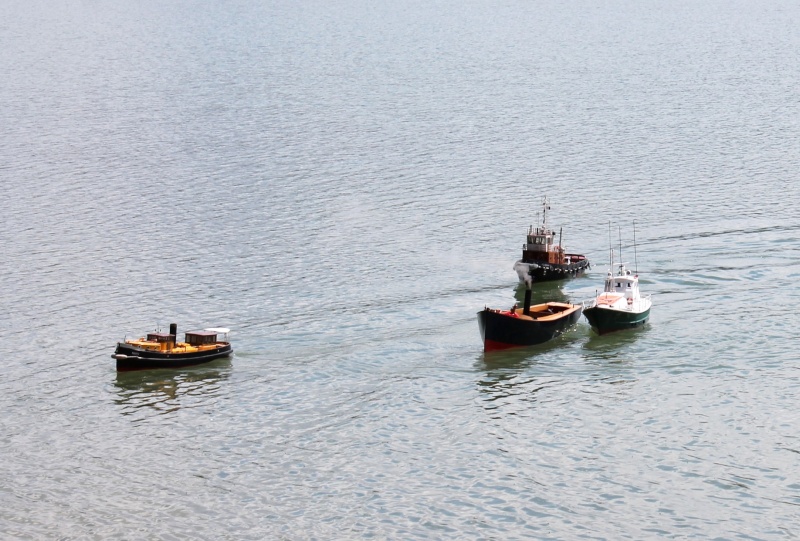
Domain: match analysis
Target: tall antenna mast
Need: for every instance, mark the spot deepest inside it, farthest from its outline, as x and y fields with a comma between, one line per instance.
x=619, y=232
x=545, y=206
x=635, y=259
x=610, y=248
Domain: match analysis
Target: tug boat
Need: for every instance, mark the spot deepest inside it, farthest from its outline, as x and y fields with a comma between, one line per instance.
x=526, y=326
x=620, y=306
x=162, y=350
x=544, y=260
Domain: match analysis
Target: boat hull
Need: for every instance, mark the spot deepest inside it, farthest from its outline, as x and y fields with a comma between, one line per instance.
x=606, y=320
x=500, y=330
x=535, y=271
x=133, y=358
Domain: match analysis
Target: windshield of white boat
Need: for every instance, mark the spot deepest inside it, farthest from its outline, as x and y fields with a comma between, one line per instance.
x=620, y=284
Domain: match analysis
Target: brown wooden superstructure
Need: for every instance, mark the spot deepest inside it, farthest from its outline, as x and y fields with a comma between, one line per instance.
x=543, y=258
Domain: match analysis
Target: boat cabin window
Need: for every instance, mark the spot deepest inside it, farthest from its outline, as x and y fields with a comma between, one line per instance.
x=201, y=337
x=160, y=337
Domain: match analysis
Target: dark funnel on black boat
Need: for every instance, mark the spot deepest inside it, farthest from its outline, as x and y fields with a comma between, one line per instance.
x=526, y=309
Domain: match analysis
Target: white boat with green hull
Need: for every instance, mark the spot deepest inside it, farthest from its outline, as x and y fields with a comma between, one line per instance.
x=620, y=306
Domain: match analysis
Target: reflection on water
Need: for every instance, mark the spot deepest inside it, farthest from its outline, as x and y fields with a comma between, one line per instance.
x=513, y=358
x=166, y=390
x=542, y=292
x=505, y=370
x=607, y=347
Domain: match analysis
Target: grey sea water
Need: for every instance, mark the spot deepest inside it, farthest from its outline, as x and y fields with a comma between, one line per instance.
x=345, y=184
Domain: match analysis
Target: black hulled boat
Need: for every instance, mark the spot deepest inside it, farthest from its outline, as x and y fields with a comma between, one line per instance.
x=543, y=259
x=526, y=326
x=162, y=350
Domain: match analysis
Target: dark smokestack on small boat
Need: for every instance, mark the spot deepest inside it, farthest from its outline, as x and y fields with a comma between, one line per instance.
x=526, y=309
x=173, y=331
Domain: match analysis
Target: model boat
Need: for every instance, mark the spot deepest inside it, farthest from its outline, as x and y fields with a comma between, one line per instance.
x=621, y=305
x=543, y=259
x=526, y=326
x=162, y=350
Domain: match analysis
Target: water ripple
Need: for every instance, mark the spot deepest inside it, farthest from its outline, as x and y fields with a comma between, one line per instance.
x=346, y=188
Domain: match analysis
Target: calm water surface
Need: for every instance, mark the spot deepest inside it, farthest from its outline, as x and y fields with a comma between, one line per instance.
x=345, y=185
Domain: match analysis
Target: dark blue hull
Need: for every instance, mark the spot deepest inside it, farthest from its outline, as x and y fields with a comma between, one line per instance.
x=133, y=358
x=545, y=272
x=500, y=330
